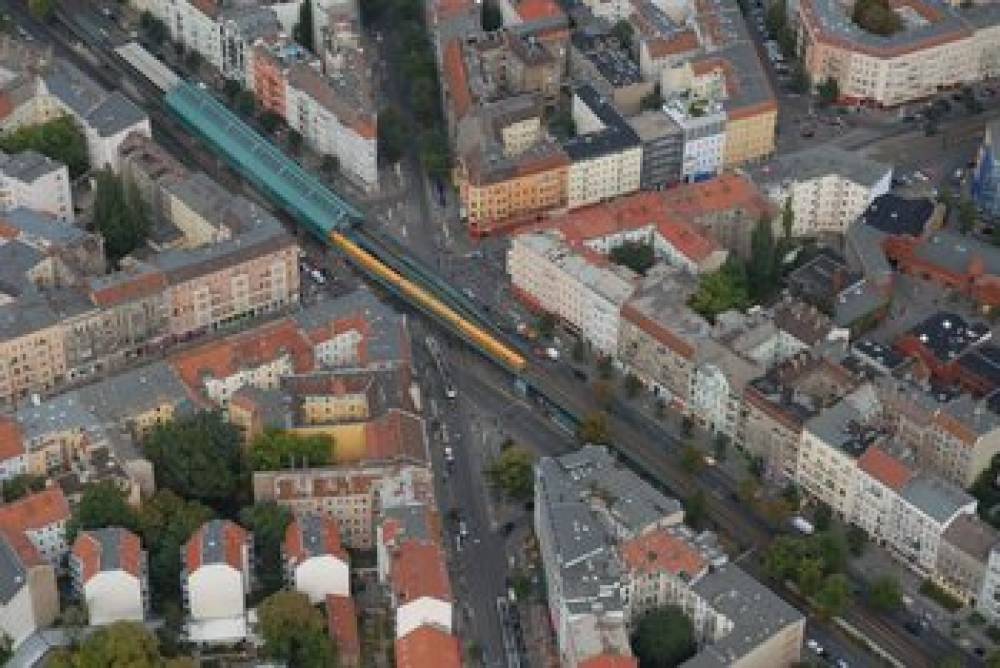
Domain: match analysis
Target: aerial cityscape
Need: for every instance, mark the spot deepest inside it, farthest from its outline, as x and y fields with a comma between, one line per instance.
x=499, y=333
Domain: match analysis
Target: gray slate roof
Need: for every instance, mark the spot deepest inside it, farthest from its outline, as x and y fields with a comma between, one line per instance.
x=13, y=573
x=27, y=166
x=821, y=161
x=936, y=497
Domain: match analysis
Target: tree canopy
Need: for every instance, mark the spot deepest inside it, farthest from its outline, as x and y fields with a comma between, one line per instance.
x=102, y=504
x=279, y=449
x=829, y=91
x=166, y=521
x=664, y=638
x=492, y=17
x=60, y=139
x=303, y=30
x=20, y=485
x=722, y=290
x=636, y=255
x=876, y=16
x=119, y=645
x=295, y=632
x=268, y=522
x=513, y=473
x=42, y=9
x=119, y=216
x=393, y=136
x=198, y=457
x=885, y=594
x=834, y=596
x=594, y=429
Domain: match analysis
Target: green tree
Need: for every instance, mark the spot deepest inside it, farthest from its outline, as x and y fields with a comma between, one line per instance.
x=60, y=139
x=268, y=521
x=102, y=504
x=809, y=576
x=42, y=9
x=302, y=31
x=947, y=198
x=720, y=447
x=967, y=215
x=329, y=165
x=513, y=473
x=623, y=31
x=800, y=82
x=435, y=155
x=193, y=60
x=392, y=136
x=119, y=216
x=231, y=88
x=636, y=255
x=154, y=30
x=876, y=16
x=884, y=593
x=579, y=350
x=594, y=428
x=633, y=386
x=722, y=290
x=605, y=367
x=6, y=649
x=692, y=460
x=696, y=509
x=492, y=18
x=279, y=449
x=829, y=92
x=562, y=124
x=244, y=102
x=652, y=100
x=787, y=219
x=119, y=645
x=856, y=540
x=269, y=120
x=546, y=325
x=294, y=141
x=21, y=485
x=198, y=457
x=834, y=596
x=166, y=521
x=664, y=637
x=823, y=517
x=762, y=272
x=294, y=631
x=781, y=559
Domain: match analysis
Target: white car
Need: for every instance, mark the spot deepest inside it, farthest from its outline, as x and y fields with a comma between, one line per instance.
x=814, y=646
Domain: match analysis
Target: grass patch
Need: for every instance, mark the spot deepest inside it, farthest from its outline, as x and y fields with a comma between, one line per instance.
x=940, y=596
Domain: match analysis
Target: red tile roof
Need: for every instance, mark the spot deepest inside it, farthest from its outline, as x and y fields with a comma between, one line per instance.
x=11, y=438
x=727, y=192
x=295, y=539
x=536, y=10
x=257, y=347
x=234, y=538
x=88, y=550
x=418, y=570
x=610, y=661
x=885, y=468
x=428, y=647
x=447, y=9
x=395, y=434
x=661, y=551
x=456, y=78
x=680, y=43
x=35, y=511
x=687, y=240
x=128, y=288
x=23, y=547
x=342, y=625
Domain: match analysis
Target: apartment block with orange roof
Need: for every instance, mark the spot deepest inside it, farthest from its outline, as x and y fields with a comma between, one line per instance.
x=41, y=517
x=110, y=575
x=342, y=626
x=216, y=578
x=420, y=588
x=29, y=600
x=315, y=563
x=428, y=647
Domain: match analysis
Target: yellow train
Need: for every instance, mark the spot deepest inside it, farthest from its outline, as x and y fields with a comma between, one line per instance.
x=474, y=335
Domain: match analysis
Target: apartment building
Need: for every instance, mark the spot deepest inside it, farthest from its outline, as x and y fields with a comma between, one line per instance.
x=41, y=517
x=507, y=169
x=613, y=548
x=703, y=126
x=600, y=60
x=29, y=600
x=110, y=575
x=36, y=182
x=419, y=587
x=826, y=189
x=939, y=47
x=659, y=336
x=586, y=293
x=342, y=627
x=963, y=557
x=512, y=62
x=32, y=347
x=315, y=563
x=428, y=647
x=777, y=405
x=718, y=379
x=355, y=496
x=605, y=156
x=216, y=577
